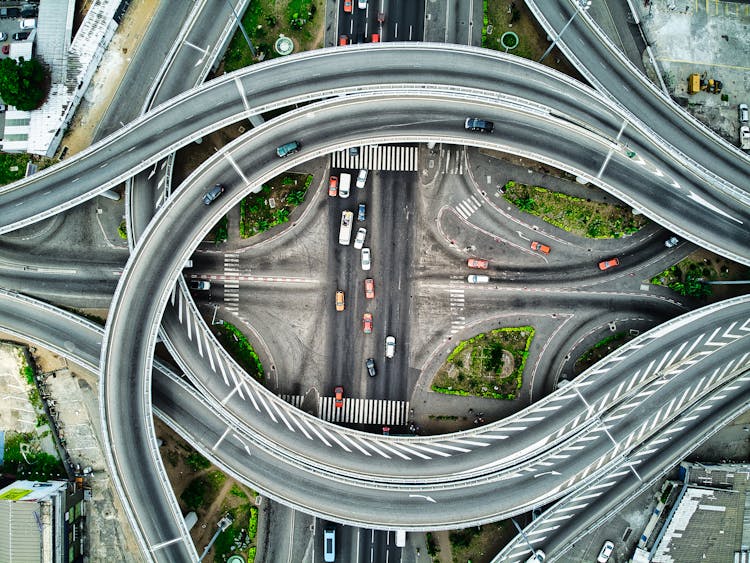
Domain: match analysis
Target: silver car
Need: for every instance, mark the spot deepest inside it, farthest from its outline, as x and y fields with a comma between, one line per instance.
x=390, y=346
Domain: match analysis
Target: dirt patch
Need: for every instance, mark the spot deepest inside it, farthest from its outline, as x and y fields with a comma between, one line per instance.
x=202, y=488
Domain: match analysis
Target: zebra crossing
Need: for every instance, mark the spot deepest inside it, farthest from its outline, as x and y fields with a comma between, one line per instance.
x=231, y=282
x=454, y=161
x=468, y=207
x=397, y=158
x=294, y=400
x=458, y=321
x=364, y=411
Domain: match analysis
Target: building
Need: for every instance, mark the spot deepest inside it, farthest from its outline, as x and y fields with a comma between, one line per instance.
x=708, y=520
x=41, y=523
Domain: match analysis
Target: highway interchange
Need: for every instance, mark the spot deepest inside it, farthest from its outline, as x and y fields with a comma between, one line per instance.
x=182, y=213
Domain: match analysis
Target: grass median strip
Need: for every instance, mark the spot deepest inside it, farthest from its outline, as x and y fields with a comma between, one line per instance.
x=575, y=215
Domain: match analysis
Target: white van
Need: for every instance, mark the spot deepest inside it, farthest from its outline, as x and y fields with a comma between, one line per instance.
x=345, y=181
x=329, y=545
x=28, y=24
x=400, y=538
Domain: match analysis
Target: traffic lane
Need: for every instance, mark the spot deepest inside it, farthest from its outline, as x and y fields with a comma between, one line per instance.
x=324, y=135
x=83, y=180
x=626, y=485
x=145, y=62
x=407, y=507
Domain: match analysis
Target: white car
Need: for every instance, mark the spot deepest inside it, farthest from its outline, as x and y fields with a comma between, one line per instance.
x=359, y=242
x=366, y=258
x=362, y=4
x=605, y=552
x=671, y=242
x=538, y=557
x=742, y=113
x=390, y=346
x=361, y=178
x=477, y=279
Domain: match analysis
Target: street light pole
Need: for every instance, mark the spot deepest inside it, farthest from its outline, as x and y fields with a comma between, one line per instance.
x=581, y=5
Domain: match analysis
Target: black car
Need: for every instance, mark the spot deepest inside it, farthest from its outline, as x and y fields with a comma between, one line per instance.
x=213, y=193
x=21, y=35
x=481, y=125
x=370, y=363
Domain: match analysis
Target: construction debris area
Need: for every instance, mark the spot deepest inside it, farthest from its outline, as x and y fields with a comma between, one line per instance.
x=702, y=51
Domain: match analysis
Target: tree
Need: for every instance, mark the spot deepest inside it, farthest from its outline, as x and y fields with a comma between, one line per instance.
x=22, y=83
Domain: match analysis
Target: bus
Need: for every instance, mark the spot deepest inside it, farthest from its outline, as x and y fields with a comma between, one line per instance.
x=345, y=232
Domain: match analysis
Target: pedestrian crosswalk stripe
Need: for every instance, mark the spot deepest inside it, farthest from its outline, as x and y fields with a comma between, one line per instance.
x=364, y=411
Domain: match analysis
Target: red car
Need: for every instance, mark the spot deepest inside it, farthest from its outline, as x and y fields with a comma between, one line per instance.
x=348, y=6
x=480, y=263
x=375, y=38
x=367, y=323
x=607, y=264
x=343, y=40
x=333, y=186
x=338, y=391
x=6, y=49
x=369, y=288
x=543, y=248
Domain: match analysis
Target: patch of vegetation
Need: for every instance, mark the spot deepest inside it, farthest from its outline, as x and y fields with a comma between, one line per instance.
x=201, y=491
x=574, y=214
x=239, y=536
x=478, y=543
x=285, y=192
x=488, y=365
x=222, y=230
x=685, y=278
x=23, y=83
x=28, y=373
x=37, y=464
x=237, y=491
x=197, y=462
x=601, y=349
x=122, y=230
x=240, y=349
x=265, y=22
x=13, y=167
x=463, y=537
x=172, y=457
x=432, y=547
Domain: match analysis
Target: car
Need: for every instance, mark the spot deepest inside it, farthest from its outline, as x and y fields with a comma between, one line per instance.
x=339, y=300
x=348, y=6
x=744, y=137
x=605, y=552
x=359, y=241
x=607, y=264
x=287, y=149
x=361, y=212
x=338, y=393
x=671, y=242
x=473, y=278
x=481, y=125
x=10, y=12
x=329, y=545
x=212, y=194
x=361, y=178
x=537, y=557
x=29, y=23
x=343, y=40
x=21, y=35
x=375, y=38
x=3, y=36
x=367, y=323
x=6, y=49
x=362, y=4
x=366, y=259
x=742, y=113
x=370, y=365
x=543, y=248
x=479, y=263
x=353, y=151
x=369, y=288
x=333, y=186
x=3, y=107
x=200, y=285
x=390, y=346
